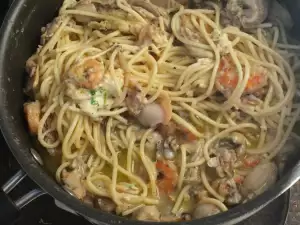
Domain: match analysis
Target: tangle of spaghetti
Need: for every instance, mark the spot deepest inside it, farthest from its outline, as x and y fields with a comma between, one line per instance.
x=143, y=101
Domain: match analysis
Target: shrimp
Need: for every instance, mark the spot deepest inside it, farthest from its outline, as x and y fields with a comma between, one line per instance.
x=227, y=78
x=88, y=74
x=168, y=179
x=251, y=161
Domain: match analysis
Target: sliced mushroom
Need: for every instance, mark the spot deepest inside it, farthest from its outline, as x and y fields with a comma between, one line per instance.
x=147, y=213
x=204, y=210
x=259, y=179
x=105, y=204
x=87, y=7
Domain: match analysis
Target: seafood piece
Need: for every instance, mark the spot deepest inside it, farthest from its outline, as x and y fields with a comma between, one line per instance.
x=204, y=210
x=87, y=6
x=224, y=162
x=135, y=101
x=152, y=33
x=259, y=179
x=88, y=199
x=235, y=141
x=227, y=151
x=32, y=112
x=251, y=161
x=227, y=78
x=147, y=213
x=153, y=141
x=72, y=180
x=186, y=216
x=246, y=14
x=145, y=5
x=88, y=74
x=33, y=80
x=171, y=143
x=169, y=154
x=105, y=204
x=167, y=148
x=149, y=115
x=31, y=65
x=167, y=177
x=229, y=190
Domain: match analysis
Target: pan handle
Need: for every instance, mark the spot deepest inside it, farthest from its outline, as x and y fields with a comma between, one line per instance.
x=10, y=209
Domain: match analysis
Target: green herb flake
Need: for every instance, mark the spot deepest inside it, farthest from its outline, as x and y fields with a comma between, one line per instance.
x=92, y=92
x=101, y=90
x=131, y=186
x=94, y=102
x=105, y=97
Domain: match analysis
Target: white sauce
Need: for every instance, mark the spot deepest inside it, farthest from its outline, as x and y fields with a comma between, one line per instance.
x=102, y=97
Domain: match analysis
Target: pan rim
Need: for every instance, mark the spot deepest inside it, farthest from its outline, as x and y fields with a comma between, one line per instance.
x=232, y=216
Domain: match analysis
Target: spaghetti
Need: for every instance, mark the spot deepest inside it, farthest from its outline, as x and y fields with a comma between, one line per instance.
x=143, y=101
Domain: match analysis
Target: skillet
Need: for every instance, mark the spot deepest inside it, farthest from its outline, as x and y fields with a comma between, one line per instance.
x=19, y=37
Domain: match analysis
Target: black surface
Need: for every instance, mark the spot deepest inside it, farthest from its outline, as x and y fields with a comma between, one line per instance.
x=9, y=211
x=18, y=41
x=42, y=210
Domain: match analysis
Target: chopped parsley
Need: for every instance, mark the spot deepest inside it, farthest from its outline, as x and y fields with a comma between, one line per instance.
x=92, y=92
x=102, y=91
x=105, y=97
x=94, y=102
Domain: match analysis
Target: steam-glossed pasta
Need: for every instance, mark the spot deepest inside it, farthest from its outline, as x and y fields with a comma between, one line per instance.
x=163, y=113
